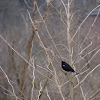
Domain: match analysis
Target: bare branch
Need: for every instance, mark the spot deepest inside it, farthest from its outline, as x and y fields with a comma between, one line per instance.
x=98, y=91
x=39, y=92
x=48, y=94
x=88, y=74
x=84, y=21
x=9, y=83
x=33, y=79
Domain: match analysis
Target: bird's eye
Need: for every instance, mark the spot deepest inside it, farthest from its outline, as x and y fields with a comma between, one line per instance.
x=63, y=65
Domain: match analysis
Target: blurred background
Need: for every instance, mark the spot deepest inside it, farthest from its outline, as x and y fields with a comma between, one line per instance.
x=32, y=71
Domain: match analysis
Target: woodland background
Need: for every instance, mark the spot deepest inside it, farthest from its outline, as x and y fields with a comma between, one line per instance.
x=35, y=36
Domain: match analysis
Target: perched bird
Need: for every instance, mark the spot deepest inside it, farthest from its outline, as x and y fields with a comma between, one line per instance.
x=67, y=67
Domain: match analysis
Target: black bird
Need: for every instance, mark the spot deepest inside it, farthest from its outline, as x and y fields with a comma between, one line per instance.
x=67, y=67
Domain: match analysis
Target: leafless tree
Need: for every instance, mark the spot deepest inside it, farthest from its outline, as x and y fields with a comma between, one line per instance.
x=42, y=75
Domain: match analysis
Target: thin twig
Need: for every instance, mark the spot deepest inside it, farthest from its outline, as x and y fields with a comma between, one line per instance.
x=9, y=82
x=88, y=74
x=48, y=94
